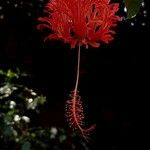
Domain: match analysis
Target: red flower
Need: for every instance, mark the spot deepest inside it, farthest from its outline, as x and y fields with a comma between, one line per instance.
x=79, y=22
x=84, y=22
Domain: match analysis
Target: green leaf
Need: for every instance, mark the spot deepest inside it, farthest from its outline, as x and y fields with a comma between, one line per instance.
x=11, y=74
x=62, y=138
x=26, y=146
x=8, y=131
x=133, y=7
x=2, y=72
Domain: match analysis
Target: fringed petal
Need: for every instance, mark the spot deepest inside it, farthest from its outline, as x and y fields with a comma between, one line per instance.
x=86, y=21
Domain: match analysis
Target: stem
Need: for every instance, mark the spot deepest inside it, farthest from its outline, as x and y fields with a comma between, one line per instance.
x=76, y=90
x=78, y=72
x=75, y=108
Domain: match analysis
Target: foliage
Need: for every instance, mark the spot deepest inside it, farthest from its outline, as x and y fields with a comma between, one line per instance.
x=133, y=7
x=18, y=106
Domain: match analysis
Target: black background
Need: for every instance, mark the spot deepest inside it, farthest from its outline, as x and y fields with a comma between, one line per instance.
x=109, y=84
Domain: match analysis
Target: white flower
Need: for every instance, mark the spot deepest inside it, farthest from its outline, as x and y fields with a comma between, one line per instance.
x=12, y=104
x=53, y=132
x=6, y=90
x=26, y=119
x=30, y=100
x=33, y=93
x=17, y=118
x=32, y=104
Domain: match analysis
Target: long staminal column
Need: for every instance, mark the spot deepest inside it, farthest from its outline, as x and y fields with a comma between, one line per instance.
x=74, y=108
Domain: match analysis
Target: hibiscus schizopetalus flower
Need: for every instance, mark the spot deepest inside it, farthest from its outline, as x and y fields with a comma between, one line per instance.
x=87, y=22
x=79, y=22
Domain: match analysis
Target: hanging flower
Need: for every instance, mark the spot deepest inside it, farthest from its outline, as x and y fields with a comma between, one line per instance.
x=84, y=22
x=79, y=22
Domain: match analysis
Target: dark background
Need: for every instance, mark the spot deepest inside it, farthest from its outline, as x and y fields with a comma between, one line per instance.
x=109, y=84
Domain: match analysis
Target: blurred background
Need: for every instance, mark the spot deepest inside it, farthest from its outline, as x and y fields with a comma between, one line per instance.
x=108, y=92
